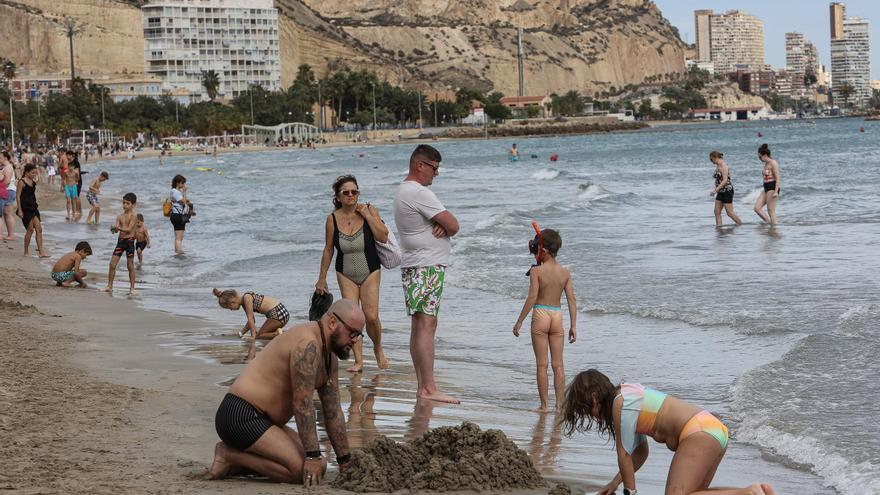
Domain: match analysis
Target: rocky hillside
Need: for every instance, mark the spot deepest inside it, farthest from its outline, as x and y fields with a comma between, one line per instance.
x=586, y=45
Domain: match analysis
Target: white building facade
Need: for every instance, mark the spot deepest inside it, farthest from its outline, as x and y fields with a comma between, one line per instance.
x=237, y=39
x=851, y=63
x=737, y=39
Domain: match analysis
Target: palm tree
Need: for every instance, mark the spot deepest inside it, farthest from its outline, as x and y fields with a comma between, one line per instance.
x=846, y=90
x=71, y=29
x=211, y=83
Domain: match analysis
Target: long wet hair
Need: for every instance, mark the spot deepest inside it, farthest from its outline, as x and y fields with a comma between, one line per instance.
x=577, y=413
x=225, y=297
x=178, y=179
x=337, y=186
x=764, y=150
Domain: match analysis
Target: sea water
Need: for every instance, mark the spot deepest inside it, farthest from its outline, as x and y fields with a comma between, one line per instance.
x=775, y=330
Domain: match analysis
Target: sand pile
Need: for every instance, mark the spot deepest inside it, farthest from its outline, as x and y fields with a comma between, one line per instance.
x=443, y=459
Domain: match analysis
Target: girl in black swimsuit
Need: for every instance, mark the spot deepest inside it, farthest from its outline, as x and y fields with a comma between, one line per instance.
x=27, y=209
x=276, y=314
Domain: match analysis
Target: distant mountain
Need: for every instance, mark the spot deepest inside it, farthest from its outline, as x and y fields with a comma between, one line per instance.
x=586, y=45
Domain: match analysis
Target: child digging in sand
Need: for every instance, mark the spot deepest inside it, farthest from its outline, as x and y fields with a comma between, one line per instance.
x=275, y=312
x=67, y=270
x=142, y=240
x=547, y=281
x=92, y=197
x=126, y=226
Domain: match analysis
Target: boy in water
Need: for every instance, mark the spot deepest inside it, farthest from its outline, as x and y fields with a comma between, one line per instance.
x=92, y=197
x=547, y=281
x=67, y=270
x=126, y=226
x=71, y=178
x=142, y=240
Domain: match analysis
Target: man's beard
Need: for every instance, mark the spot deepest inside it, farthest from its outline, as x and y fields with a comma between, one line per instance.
x=341, y=351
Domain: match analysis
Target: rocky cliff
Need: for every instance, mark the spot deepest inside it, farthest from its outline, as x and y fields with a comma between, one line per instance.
x=586, y=45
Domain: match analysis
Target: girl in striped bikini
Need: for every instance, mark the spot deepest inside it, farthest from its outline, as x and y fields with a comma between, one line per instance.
x=276, y=314
x=629, y=413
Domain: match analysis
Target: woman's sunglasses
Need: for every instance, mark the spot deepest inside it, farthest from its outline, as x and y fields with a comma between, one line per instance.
x=350, y=192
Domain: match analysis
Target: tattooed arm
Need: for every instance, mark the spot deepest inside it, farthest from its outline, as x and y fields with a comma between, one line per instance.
x=334, y=420
x=304, y=363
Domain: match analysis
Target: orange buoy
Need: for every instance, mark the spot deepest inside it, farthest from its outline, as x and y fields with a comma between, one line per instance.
x=554, y=157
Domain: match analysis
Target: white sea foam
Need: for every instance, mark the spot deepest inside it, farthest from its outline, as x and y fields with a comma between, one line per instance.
x=545, y=174
x=844, y=475
x=593, y=193
x=860, y=311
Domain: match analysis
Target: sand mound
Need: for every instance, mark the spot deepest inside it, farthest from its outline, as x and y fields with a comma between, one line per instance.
x=443, y=459
x=560, y=489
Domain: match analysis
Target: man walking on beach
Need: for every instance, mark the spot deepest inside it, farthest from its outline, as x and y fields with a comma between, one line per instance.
x=425, y=227
x=278, y=385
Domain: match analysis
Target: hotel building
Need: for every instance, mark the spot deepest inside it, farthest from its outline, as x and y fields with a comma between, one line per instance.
x=238, y=39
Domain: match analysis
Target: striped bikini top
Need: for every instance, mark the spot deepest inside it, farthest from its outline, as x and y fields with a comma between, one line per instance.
x=768, y=174
x=258, y=300
x=639, y=413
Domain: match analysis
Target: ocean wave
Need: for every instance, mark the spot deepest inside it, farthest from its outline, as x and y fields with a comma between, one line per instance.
x=545, y=174
x=859, y=312
x=844, y=475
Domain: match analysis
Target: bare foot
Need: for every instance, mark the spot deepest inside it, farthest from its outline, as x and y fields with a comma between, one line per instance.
x=439, y=397
x=220, y=467
x=27, y=254
x=543, y=409
x=82, y=286
x=109, y=288
x=768, y=490
x=355, y=368
x=44, y=255
x=10, y=238
x=133, y=292
x=381, y=360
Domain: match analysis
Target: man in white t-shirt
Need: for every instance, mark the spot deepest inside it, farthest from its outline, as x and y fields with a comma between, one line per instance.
x=424, y=227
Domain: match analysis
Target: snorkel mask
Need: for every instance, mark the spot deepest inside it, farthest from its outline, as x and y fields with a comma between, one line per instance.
x=536, y=247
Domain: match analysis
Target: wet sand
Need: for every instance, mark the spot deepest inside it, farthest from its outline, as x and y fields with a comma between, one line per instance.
x=95, y=398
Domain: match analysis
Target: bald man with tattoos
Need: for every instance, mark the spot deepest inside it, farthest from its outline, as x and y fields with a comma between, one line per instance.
x=279, y=385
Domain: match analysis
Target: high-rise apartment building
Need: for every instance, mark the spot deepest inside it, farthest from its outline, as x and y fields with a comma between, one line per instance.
x=238, y=39
x=851, y=63
x=737, y=40
x=703, y=28
x=837, y=15
x=801, y=63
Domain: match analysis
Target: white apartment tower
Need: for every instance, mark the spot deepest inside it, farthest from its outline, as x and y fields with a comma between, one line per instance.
x=703, y=28
x=737, y=41
x=851, y=63
x=238, y=39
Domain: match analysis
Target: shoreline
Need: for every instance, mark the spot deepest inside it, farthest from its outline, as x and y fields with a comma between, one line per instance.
x=100, y=400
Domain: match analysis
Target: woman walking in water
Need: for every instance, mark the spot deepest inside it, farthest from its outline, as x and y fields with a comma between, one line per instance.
x=276, y=314
x=723, y=190
x=180, y=210
x=772, y=182
x=353, y=229
x=629, y=413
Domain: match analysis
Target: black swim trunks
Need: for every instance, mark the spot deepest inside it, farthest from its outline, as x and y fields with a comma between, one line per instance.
x=769, y=186
x=125, y=245
x=141, y=245
x=238, y=423
x=726, y=197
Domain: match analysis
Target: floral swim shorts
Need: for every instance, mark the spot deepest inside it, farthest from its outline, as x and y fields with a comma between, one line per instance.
x=423, y=288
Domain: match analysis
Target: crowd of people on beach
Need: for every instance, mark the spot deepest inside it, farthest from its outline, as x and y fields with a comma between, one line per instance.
x=278, y=385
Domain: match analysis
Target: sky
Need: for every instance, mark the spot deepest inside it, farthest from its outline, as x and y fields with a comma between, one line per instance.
x=781, y=16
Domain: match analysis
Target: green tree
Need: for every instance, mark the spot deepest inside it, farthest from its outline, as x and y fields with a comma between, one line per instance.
x=571, y=103
x=846, y=91
x=211, y=83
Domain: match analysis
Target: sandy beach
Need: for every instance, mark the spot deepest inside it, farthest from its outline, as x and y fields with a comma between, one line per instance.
x=93, y=398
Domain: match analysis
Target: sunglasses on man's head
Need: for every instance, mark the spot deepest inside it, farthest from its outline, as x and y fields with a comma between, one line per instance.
x=350, y=192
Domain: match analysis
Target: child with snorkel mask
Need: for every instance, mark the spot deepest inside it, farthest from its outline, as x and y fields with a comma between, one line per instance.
x=547, y=281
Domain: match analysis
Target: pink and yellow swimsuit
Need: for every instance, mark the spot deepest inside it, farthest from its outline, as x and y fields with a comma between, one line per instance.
x=639, y=413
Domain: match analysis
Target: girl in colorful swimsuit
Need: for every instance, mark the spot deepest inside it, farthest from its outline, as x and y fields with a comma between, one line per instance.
x=630, y=412
x=275, y=312
x=723, y=190
x=547, y=282
x=772, y=183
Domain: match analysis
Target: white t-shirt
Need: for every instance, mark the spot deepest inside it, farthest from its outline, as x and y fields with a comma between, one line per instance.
x=176, y=207
x=414, y=207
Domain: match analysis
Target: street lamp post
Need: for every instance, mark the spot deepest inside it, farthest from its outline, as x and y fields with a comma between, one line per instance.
x=320, y=109
x=103, y=120
x=435, y=109
x=251, y=91
x=374, y=104
x=419, y=96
